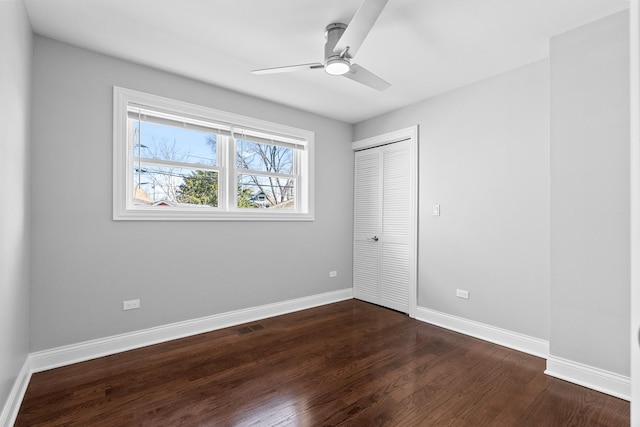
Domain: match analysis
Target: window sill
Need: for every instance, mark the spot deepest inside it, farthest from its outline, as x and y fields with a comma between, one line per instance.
x=200, y=215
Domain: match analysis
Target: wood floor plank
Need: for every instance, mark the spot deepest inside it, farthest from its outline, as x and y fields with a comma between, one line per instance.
x=349, y=363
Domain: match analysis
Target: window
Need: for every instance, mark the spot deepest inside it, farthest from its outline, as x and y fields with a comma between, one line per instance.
x=179, y=161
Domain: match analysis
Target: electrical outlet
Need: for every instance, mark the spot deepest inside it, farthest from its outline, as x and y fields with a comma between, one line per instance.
x=333, y=273
x=462, y=294
x=131, y=304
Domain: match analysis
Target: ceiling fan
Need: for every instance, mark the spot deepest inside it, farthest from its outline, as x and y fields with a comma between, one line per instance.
x=341, y=45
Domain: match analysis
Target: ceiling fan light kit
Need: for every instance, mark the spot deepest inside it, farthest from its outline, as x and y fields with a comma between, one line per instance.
x=341, y=44
x=337, y=66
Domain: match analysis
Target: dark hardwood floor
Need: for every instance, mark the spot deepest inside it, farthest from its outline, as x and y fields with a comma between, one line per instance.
x=349, y=363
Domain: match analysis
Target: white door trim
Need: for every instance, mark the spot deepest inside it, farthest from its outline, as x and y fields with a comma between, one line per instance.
x=408, y=134
x=634, y=72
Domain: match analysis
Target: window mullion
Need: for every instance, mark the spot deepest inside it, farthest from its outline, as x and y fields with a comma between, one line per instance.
x=222, y=175
x=231, y=174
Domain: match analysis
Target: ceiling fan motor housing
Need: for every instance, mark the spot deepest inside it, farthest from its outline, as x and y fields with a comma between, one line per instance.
x=334, y=63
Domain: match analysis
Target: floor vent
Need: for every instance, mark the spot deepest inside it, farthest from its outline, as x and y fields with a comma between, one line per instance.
x=251, y=328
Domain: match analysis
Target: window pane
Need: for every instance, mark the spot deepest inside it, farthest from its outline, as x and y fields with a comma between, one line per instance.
x=264, y=157
x=255, y=191
x=157, y=141
x=166, y=164
x=172, y=186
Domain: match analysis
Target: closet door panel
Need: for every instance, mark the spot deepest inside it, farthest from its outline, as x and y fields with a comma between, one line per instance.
x=367, y=226
x=396, y=227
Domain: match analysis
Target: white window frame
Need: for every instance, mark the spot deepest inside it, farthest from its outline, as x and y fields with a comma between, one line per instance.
x=228, y=125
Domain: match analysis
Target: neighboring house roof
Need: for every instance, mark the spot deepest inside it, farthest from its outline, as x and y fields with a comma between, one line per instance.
x=166, y=203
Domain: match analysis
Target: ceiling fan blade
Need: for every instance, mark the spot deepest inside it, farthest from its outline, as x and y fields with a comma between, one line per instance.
x=289, y=68
x=360, y=26
x=367, y=78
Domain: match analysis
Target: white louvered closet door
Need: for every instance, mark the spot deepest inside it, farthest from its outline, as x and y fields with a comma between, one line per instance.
x=382, y=226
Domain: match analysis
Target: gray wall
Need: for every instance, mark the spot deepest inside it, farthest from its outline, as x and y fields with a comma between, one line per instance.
x=531, y=169
x=15, y=82
x=590, y=228
x=85, y=264
x=484, y=158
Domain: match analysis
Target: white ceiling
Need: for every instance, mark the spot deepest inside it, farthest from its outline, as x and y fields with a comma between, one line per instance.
x=422, y=47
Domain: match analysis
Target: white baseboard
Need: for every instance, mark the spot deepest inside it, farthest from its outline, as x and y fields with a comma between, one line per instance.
x=62, y=356
x=12, y=405
x=574, y=372
x=588, y=376
x=67, y=355
x=503, y=337
x=597, y=379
